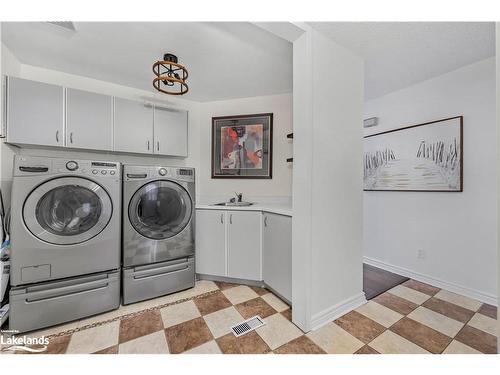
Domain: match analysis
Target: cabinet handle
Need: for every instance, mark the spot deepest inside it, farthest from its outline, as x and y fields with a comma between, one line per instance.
x=265, y=221
x=158, y=146
x=230, y=218
x=148, y=145
x=57, y=136
x=222, y=218
x=71, y=137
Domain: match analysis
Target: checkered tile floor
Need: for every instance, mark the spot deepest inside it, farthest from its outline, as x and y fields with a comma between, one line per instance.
x=410, y=318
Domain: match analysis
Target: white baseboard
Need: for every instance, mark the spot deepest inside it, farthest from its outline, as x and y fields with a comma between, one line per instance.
x=443, y=284
x=336, y=311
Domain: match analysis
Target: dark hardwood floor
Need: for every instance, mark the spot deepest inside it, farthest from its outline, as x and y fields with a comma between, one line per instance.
x=376, y=281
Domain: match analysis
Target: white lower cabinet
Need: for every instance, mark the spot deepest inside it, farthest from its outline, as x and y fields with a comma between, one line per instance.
x=243, y=245
x=210, y=242
x=277, y=253
x=228, y=244
x=248, y=245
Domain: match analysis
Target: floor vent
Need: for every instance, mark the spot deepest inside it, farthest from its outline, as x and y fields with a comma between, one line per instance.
x=248, y=325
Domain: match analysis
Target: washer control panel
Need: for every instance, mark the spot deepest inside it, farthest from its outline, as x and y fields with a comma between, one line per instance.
x=36, y=165
x=105, y=168
x=71, y=165
x=87, y=167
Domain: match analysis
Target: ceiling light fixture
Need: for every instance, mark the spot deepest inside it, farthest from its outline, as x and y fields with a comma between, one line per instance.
x=170, y=76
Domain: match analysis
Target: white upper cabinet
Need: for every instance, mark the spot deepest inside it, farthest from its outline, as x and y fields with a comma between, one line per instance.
x=35, y=113
x=133, y=126
x=38, y=114
x=170, y=132
x=89, y=120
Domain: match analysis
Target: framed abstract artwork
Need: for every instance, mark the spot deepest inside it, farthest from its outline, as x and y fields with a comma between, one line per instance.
x=242, y=146
x=423, y=157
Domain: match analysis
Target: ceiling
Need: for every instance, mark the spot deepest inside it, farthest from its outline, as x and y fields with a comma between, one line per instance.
x=399, y=54
x=224, y=60
x=239, y=59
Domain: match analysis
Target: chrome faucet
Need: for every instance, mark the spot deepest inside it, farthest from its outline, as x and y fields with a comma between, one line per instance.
x=239, y=197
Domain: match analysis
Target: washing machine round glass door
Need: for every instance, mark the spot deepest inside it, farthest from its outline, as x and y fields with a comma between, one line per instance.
x=67, y=210
x=160, y=209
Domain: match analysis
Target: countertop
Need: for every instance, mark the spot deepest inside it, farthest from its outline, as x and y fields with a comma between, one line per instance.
x=274, y=208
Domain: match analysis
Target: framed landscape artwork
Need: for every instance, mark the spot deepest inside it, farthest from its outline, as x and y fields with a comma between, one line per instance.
x=242, y=146
x=423, y=157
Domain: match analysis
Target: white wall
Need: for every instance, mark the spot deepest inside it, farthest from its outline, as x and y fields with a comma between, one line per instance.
x=302, y=186
x=456, y=230
x=281, y=184
x=497, y=29
x=327, y=181
x=337, y=181
x=10, y=64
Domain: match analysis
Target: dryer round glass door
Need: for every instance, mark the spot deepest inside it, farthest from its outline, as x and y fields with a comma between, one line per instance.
x=160, y=209
x=67, y=210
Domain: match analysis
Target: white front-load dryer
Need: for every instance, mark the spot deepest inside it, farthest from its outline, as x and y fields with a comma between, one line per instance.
x=65, y=235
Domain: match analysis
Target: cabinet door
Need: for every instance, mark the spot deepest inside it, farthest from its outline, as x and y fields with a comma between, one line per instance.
x=244, y=245
x=170, y=132
x=277, y=253
x=35, y=113
x=133, y=131
x=89, y=120
x=210, y=242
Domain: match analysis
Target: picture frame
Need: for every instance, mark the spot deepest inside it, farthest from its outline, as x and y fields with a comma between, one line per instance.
x=242, y=146
x=426, y=157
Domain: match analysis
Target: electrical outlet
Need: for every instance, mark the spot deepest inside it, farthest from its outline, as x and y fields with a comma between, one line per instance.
x=421, y=254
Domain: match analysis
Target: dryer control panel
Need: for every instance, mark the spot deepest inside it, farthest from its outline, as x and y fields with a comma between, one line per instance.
x=135, y=172
x=175, y=173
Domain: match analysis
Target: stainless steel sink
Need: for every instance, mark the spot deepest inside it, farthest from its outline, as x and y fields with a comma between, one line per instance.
x=233, y=204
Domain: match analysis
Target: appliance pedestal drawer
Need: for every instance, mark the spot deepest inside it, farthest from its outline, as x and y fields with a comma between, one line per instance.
x=46, y=304
x=155, y=280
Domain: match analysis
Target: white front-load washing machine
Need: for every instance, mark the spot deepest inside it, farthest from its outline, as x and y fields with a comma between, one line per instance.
x=158, y=231
x=65, y=235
